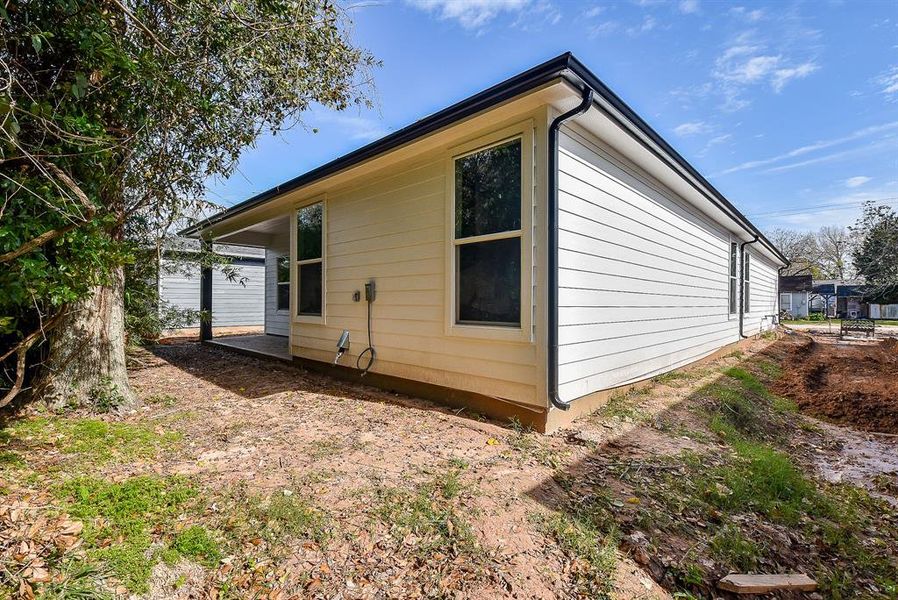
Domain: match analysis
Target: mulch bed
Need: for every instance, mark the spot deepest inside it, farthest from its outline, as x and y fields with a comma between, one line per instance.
x=855, y=385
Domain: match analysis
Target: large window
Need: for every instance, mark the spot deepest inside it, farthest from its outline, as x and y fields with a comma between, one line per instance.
x=734, y=278
x=488, y=236
x=746, y=275
x=283, y=284
x=309, y=261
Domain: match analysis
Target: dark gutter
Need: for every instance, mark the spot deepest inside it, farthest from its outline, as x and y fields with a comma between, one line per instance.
x=552, y=216
x=742, y=286
x=566, y=67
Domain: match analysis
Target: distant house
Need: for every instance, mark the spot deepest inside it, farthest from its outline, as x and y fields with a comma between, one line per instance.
x=523, y=253
x=238, y=303
x=794, y=294
x=841, y=298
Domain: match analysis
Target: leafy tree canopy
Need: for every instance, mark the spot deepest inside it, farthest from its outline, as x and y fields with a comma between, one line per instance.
x=113, y=113
x=876, y=254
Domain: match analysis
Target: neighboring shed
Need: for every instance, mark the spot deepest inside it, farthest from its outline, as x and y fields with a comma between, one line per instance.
x=795, y=293
x=523, y=253
x=237, y=303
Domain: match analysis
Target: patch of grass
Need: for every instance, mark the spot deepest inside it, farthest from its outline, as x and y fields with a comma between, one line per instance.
x=734, y=549
x=287, y=515
x=90, y=440
x=197, y=543
x=765, y=481
x=431, y=513
x=672, y=377
x=80, y=581
x=585, y=535
x=122, y=517
x=623, y=406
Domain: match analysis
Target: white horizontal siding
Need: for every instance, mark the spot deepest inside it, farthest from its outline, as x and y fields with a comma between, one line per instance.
x=277, y=322
x=643, y=277
x=764, y=301
x=392, y=228
x=233, y=304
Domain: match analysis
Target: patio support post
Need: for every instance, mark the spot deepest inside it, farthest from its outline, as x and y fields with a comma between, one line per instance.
x=205, y=292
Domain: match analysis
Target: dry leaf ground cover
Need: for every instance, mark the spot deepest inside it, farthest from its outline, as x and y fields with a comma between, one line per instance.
x=244, y=478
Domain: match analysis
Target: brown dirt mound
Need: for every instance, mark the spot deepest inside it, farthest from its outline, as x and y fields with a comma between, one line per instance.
x=854, y=385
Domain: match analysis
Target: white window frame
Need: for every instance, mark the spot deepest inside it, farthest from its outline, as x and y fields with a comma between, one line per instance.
x=295, y=264
x=786, y=295
x=278, y=284
x=746, y=282
x=523, y=331
x=732, y=278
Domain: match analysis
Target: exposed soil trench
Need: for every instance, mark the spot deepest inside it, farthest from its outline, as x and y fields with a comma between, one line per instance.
x=853, y=384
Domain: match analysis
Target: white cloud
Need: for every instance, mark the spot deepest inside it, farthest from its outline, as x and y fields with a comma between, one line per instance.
x=691, y=128
x=783, y=76
x=858, y=181
x=752, y=16
x=648, y=23
x=470, y=14
x=593, y=12
x=809, y=148
x=604, y=28
x=688, y=7
x=889, y=82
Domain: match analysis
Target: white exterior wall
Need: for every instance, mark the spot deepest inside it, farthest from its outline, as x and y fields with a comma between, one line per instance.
x=798, y=304
x=764, y=301
x=277, y=322
x=392, y=227
x=643, y=277
x=232, y=304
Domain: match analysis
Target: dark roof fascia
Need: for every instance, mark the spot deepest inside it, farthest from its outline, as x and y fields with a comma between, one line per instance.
x=519, y=84
x=565, y=66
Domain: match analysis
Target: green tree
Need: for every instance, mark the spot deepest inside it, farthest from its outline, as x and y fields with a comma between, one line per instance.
x=876, y=253
x=113, y=113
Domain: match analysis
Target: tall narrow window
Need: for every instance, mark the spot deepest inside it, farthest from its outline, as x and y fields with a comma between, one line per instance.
x=746, y=273
x=283, y=282
x=734, y=278
x=309, y=260
x=488, y=236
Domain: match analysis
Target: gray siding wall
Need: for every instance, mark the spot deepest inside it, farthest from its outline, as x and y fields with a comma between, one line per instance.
x=643, y=277
x=232, y=304
x=277, y=322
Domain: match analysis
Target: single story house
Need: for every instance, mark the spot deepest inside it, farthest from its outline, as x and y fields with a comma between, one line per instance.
x=523, y=253
x=794, y=294
x=237, y=303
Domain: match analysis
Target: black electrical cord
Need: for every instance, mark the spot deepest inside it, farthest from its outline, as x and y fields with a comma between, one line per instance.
x=369, y=350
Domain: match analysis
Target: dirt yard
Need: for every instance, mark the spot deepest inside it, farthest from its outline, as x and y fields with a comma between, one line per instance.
x=852, y=383
x=245, y=478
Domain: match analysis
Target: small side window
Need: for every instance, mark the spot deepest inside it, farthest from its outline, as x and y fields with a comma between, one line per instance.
x=746, y=274
x=734, y=304
x=283, y=282
x=309, y=260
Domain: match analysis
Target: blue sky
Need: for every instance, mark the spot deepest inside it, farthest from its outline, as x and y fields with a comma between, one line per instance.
x=789, y=109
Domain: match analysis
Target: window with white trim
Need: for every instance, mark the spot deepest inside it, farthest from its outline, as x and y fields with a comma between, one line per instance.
x=786, y=302
x=734, y=278
x=283, y=283
x=746, y=283
x=488, y=236
x=309, y=260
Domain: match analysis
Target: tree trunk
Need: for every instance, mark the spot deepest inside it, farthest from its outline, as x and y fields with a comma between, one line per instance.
x=86, y=363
